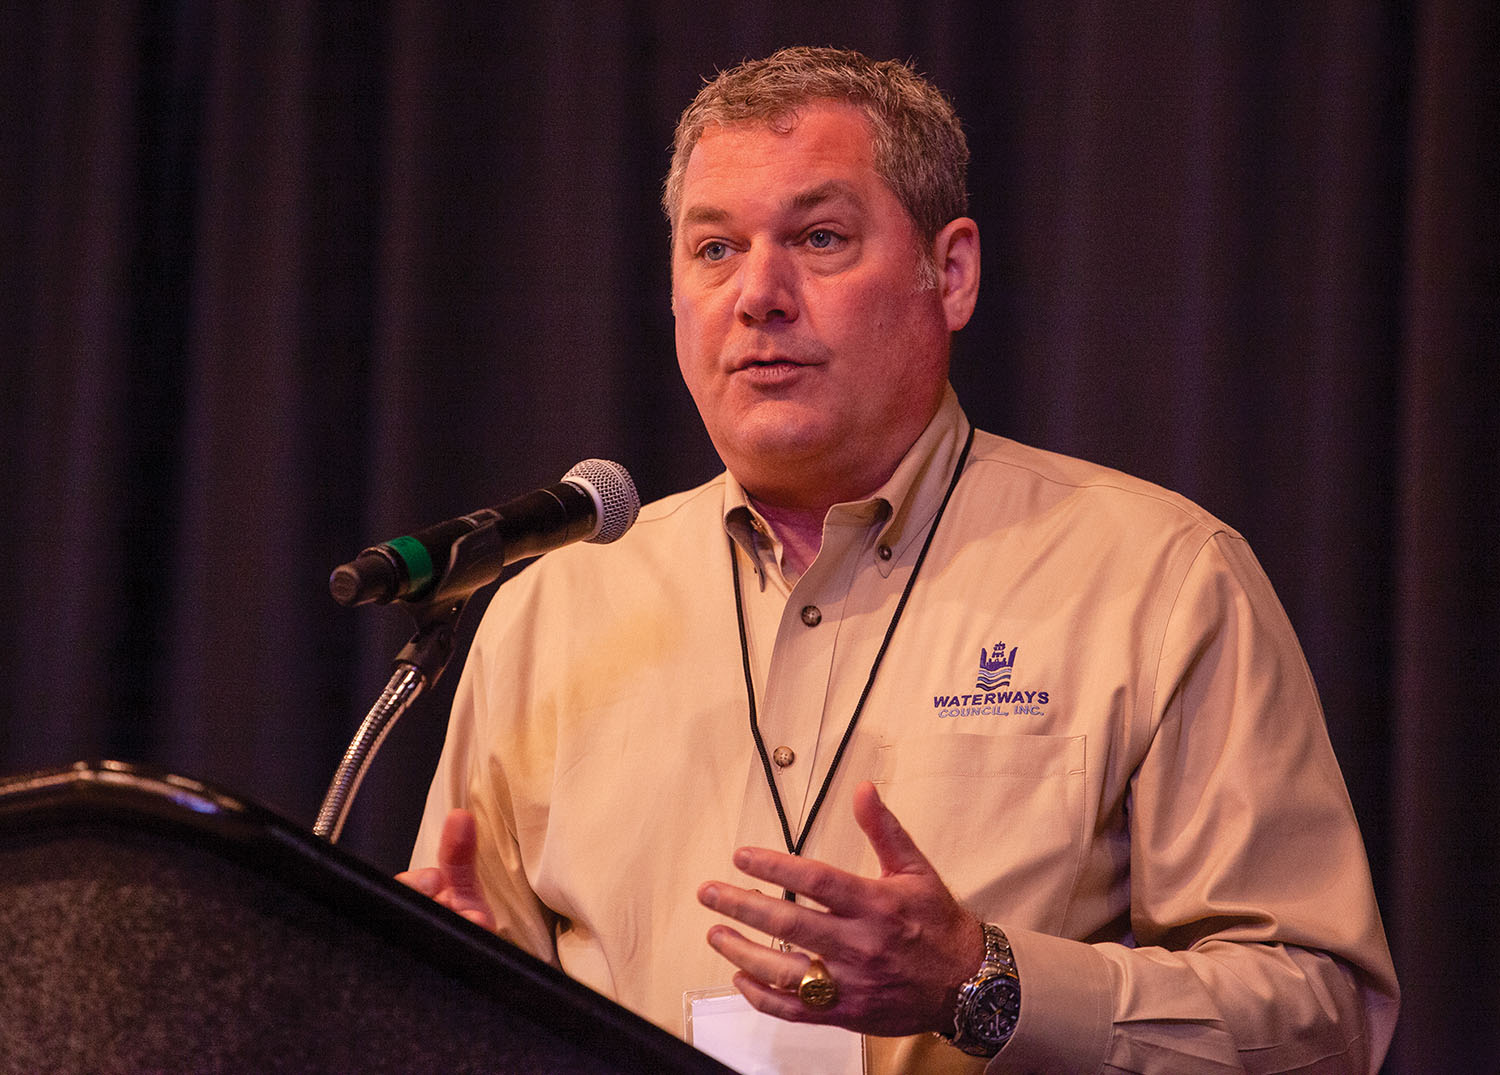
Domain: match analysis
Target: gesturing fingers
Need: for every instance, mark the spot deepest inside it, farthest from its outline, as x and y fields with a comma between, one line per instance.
x=894, y=948
x=843, y=893
x=457, y=847
x=896, y=851
x=428, y=881
x=777, y=917
x=454, y=882
x=777, y=969
x=788, y=984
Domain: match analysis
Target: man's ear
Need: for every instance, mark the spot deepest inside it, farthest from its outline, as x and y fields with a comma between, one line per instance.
x=955, y=253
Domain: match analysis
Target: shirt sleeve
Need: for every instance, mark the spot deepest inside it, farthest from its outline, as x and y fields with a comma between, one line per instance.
x=1255, y=943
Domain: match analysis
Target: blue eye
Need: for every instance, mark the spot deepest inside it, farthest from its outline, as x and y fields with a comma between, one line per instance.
x=713, y=251
x=821, y=239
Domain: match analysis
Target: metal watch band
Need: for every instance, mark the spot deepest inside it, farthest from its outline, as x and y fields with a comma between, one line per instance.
x=996, y=950
x=989, y=1004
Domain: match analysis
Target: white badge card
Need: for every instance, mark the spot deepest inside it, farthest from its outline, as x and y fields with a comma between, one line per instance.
x=721, y=1023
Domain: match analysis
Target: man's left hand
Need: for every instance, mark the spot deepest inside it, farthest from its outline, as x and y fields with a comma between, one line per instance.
x=898, y=946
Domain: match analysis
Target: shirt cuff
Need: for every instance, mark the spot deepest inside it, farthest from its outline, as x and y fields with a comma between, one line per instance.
x=1067, y=1008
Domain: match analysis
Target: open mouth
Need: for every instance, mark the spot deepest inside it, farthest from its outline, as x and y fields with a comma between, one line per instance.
x=768, y=362
x=770, y=369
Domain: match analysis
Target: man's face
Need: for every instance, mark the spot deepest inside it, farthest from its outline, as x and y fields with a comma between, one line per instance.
x=804, y=334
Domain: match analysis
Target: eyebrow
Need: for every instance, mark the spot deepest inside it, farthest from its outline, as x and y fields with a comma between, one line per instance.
x=832, y=190
x=704, y=214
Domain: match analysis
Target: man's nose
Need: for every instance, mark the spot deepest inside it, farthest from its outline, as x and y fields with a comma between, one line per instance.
x=768, y=286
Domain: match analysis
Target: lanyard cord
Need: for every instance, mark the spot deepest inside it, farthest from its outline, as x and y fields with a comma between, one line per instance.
x=795, y=846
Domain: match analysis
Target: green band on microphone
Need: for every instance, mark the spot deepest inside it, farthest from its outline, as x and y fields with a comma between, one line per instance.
x=418, y=564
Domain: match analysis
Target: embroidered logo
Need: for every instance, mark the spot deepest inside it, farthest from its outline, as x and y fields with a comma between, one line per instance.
x=993, y=695
x=995, y=667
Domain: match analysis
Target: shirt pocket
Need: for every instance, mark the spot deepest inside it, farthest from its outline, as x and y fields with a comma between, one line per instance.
x=1001, y=817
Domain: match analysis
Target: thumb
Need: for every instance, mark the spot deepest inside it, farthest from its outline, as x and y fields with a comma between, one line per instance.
x=893, y=846
x=460, y=890
x=456, y=850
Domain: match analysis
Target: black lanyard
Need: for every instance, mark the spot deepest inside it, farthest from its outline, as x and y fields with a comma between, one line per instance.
x=795, y=846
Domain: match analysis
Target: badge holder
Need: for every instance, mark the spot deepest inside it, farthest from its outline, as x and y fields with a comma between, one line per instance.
x=721, y=1023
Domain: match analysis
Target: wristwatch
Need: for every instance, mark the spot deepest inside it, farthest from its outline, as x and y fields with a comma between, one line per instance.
x=990, y=1002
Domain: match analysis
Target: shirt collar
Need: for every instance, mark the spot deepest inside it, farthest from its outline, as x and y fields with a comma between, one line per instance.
x=898, y=511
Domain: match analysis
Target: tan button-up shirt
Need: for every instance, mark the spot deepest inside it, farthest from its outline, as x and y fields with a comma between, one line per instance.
x=1093, y=717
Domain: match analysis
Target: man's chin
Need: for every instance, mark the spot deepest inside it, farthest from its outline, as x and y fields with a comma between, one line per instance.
x=790, y=470
x=783, y=446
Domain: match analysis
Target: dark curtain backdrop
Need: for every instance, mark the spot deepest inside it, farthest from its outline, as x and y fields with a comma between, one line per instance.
x=282, y=280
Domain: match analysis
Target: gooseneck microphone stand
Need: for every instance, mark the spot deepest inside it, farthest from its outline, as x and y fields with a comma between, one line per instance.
x=418, y=665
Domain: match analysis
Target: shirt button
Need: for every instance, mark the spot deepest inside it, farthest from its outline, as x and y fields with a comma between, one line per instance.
x=884, y=552
x=811, y=615
x=783, y=756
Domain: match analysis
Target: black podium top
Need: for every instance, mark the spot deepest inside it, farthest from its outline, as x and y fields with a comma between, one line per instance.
x=153, y=923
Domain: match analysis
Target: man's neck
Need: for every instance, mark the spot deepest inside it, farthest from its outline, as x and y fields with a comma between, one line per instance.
x=800, y=532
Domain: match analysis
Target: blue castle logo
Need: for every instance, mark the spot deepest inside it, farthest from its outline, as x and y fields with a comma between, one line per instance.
x=995, y=667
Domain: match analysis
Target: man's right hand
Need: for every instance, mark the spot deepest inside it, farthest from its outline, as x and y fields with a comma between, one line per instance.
x=453, y=882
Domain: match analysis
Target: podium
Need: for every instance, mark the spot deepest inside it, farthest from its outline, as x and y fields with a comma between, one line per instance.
x=150, y=923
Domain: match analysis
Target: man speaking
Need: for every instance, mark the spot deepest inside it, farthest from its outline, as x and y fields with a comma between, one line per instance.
x=984, y=754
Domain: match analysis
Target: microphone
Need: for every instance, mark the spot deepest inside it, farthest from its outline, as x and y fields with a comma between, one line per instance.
x=595, y=501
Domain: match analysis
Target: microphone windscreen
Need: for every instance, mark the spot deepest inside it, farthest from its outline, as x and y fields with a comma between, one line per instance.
x=614, y=494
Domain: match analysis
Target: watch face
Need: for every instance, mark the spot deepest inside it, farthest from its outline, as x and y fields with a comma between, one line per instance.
x=994, y=1010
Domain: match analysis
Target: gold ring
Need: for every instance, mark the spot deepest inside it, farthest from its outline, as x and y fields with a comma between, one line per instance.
x=818, y=989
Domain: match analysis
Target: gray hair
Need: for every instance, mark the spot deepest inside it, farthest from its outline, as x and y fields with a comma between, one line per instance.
x=919, y=147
